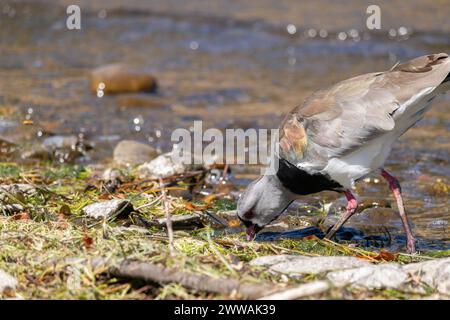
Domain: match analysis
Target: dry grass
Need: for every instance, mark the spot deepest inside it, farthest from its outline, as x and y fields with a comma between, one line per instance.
x=51, y=248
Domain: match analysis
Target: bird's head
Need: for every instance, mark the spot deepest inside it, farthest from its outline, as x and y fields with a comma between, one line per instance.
x=263, y=201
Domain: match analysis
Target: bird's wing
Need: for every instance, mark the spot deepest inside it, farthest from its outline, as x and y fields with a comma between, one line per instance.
x=336, y=121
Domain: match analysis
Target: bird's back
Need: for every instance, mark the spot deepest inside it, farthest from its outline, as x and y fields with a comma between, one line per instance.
x=346, y=131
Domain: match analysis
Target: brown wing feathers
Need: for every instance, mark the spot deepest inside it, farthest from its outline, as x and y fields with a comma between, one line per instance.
x=421, y=64
x=334, y=121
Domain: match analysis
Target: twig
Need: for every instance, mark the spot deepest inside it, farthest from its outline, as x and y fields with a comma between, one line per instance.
x=303, y=290
x=159, y=274
x=219, y=255
x=366, y=254
x=168, y=218
x=149, y=203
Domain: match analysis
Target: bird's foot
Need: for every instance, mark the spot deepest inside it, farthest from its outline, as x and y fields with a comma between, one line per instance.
x=411, y=246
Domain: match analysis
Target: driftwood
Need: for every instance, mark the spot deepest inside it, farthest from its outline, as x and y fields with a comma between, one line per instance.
x=156, y=273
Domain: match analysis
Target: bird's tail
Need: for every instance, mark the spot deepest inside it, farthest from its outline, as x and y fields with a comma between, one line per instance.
x=447, y=79
x=445, y=84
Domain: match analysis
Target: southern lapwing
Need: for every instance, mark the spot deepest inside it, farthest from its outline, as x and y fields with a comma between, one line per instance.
x=342, y=134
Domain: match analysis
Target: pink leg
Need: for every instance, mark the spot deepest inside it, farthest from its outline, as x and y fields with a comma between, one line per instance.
x=352, y=204
x=394, y=185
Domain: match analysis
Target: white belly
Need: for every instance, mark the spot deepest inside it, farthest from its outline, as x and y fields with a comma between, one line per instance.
x=360, y=163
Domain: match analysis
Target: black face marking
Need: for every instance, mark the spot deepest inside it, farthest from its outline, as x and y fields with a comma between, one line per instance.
x=301, y=182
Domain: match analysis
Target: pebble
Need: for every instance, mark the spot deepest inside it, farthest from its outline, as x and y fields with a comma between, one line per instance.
x=59, y=148
x=183, y=222
x=108, y=209
x=162, y=166
x=119, y=78
x=131, y=153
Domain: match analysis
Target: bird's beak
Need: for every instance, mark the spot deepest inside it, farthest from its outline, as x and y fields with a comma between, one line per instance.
x=252, y=230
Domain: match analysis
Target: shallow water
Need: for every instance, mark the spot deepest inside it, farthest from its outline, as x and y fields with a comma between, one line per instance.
x=232, y=65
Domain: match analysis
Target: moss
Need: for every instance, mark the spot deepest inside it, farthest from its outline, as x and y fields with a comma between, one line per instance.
x=437, y=253
x=9, y=171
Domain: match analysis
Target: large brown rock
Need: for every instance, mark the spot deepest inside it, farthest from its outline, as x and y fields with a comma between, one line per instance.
x=119, y=78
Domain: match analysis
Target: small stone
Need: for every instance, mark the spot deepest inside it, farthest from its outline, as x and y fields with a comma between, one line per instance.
x=183, y=222
x=161, y=167
x=119, y=78
x=108, y=209
x=131, y=153
x=7, y=282
x=316, y=265
x=59, y=148
x=112, y=174
x=435, y=273
x=60, y=142
x=371, y=277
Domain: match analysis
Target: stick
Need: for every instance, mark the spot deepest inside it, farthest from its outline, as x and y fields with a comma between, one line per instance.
x=150, y=272
x=301, y=291
x=168, y=218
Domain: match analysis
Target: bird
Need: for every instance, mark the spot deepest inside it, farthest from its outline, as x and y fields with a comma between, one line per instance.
x=342, y=134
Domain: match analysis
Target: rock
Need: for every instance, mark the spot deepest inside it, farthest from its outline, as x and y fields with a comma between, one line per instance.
x=294, y=264
x=316, y=265
x=59, y=148
x=435, y=273
x=108, y=209
x=161, y=167
x=7, y=148
x=7, y=282
x=119, y=78
x=182, y=222
x=193, y=221
x=112, y=174
x=60, y=142
x=112, y=179
x=131, y=153
x=371, y=277
x=268, y=261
